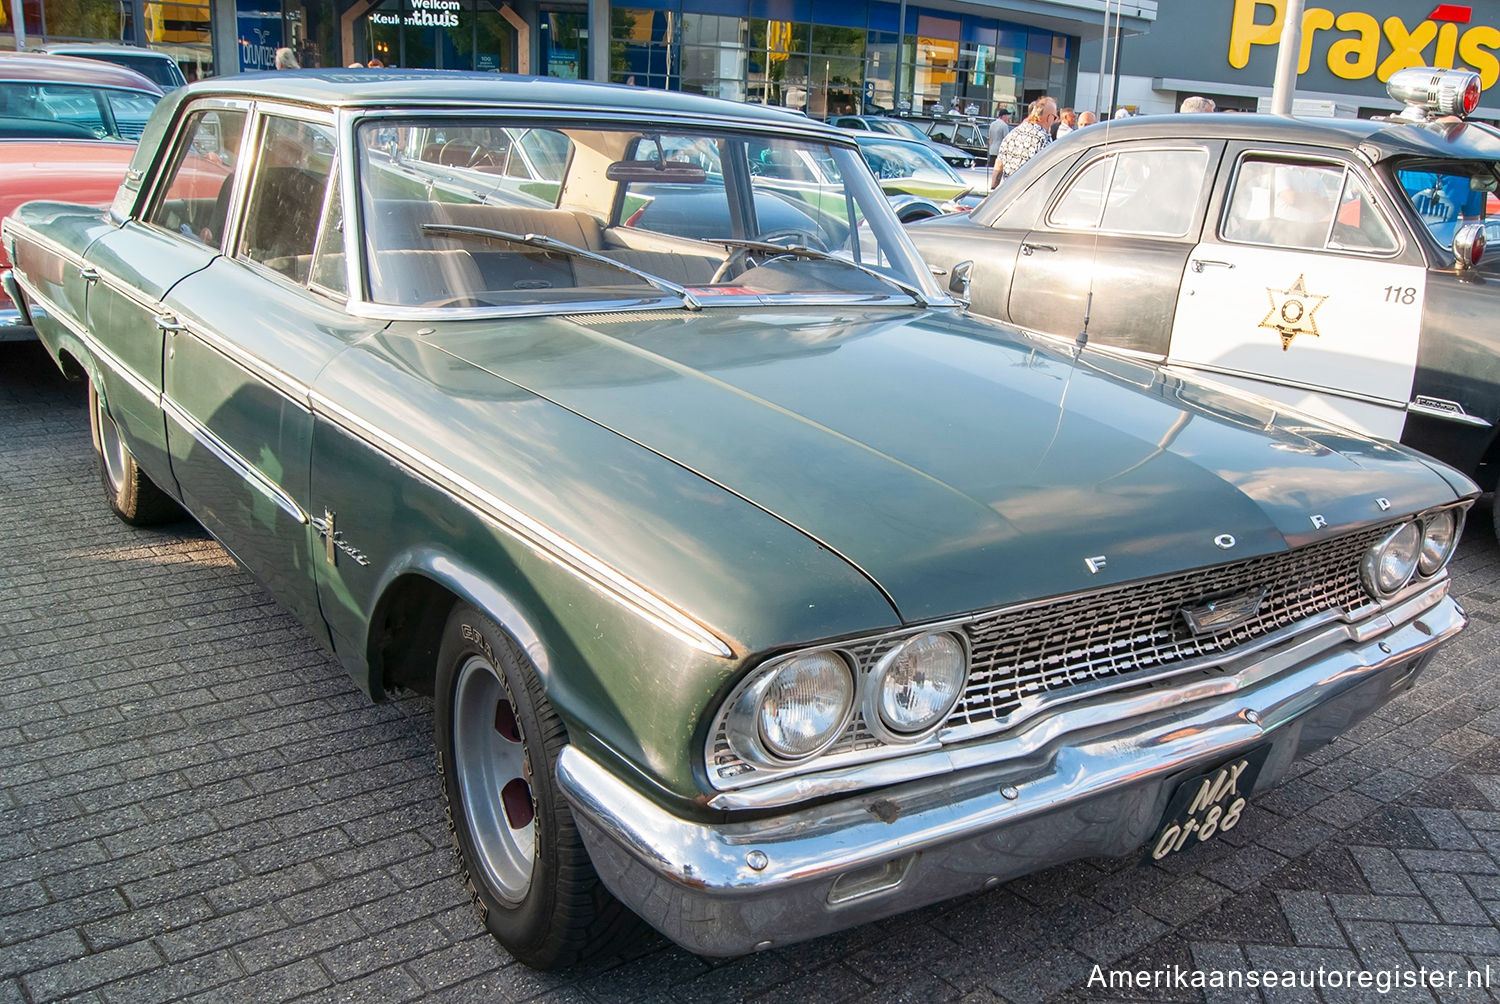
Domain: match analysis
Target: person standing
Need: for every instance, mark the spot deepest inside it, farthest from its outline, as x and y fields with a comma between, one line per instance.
x=1196, y=104
x=286, y=59
x=998, y=129
x=1025, y=140
x=1067, y=121
x=1087, y=119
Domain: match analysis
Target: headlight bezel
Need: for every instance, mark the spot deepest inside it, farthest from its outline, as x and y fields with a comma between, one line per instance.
x=743, y=721
x=1370, y=565
x=1457, y=515
x=873, y=691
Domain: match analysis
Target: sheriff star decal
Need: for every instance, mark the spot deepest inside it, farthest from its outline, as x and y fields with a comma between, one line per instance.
x=1292, y=312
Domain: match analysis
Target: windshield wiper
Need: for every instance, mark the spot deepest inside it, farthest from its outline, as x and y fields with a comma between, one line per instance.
x=555, y=246
x=803, y=251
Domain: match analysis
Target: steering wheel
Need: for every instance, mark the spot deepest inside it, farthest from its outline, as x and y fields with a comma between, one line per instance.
x=743, y=259
x=479, y=155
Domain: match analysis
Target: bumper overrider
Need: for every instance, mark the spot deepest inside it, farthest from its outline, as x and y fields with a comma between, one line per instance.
x=15, y=322
x=1098, y=785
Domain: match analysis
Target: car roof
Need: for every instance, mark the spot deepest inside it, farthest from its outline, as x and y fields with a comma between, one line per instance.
x=375, y=88
x=46, y=66
x=84, y=48
x=1377, y=139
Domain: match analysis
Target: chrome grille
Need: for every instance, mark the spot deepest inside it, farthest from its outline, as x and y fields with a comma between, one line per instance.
x=1031, y=652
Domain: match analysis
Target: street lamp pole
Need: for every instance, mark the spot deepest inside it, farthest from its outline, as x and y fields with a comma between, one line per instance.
x=1288, y=56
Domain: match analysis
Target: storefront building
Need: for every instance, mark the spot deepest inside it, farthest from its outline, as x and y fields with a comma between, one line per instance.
x=182, y=28
x=1227, y=51
x=825, y=57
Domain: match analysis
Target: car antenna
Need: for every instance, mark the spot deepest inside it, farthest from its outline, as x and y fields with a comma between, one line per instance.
x=1104, y=51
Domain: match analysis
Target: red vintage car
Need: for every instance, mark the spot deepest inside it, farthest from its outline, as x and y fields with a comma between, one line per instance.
x=67, y=132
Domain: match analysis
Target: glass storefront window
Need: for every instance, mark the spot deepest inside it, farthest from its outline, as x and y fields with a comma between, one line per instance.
x=451, y=35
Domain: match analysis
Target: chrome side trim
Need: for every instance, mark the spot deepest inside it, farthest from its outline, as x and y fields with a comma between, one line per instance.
x=1173, y=364
x=95, y=347
x=1452, y=411
x=1089, y=710
x=233, y=460
x=295, y=391
x=541, y=539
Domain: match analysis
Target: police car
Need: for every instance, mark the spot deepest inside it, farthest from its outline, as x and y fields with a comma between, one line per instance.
x=1336, y=266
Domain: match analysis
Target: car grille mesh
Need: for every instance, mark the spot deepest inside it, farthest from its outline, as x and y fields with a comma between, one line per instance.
x=1029, y=655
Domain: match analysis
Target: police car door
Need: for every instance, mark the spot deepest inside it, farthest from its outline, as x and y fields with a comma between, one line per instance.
x=1303, y=290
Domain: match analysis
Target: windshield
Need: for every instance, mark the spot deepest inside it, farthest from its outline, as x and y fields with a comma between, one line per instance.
x=898, y=128
x=466, y=213
x=907, y=160
x=74, y=110
x=1445, y=194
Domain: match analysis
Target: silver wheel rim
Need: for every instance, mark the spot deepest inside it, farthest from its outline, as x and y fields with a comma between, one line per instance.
x=111, y=449
x=489, y=754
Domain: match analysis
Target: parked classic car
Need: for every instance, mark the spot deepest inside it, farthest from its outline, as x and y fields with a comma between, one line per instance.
x=160, y=68
x=63, y=135
x=750, y=577
x=915, y=179
x=1311, y=261
x=952, y=155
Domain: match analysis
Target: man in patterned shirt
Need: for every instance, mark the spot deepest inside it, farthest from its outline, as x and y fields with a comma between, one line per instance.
x=1025, y=140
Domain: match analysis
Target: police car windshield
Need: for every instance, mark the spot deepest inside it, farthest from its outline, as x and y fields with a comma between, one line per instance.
x=1446, y=194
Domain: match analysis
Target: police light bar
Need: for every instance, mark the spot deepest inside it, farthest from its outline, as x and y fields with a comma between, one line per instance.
x=1429, y=91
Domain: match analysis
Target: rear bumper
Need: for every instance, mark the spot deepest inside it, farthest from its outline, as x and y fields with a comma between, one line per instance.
x=736, y=887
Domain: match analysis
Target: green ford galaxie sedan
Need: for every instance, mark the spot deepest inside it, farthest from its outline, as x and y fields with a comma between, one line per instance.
x=760, y=592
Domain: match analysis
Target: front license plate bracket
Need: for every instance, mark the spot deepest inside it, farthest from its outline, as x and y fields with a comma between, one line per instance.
x=1207, y=803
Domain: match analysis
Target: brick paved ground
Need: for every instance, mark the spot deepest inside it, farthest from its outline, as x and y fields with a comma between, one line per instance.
x=198, y=804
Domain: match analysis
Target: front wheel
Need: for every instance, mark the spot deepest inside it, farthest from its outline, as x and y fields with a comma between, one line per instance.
x=519, y=852
x=130, y=492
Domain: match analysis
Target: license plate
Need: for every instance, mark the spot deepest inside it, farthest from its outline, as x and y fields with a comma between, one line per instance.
x=1207, y=804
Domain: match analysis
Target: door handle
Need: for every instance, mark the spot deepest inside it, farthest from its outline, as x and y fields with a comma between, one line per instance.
x=1199, y=264
x=169, y=322
x=88, y=274
x=1028, y=248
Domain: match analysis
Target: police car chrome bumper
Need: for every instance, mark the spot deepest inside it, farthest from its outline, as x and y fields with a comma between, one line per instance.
x=734, y=887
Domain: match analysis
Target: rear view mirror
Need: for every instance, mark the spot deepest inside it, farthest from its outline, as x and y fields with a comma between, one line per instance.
x=958, y=283
x=655, y=171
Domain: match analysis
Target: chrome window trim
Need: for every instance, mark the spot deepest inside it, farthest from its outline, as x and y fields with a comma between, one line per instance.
x=1375, y=190
x=226, y=454
x=1298, y=645
x=535, y=535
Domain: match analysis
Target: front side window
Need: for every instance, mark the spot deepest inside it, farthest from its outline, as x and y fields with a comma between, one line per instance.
x=294, y=163
x=1311, y=205
x=520, y=214
x=1148, y=192
x=194, y=201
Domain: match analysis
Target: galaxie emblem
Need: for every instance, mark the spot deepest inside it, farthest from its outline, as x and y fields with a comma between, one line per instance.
x=1292, y=311
x=1213, y=616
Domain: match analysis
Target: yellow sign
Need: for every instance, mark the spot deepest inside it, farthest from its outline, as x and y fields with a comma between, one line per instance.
x=1356, y=53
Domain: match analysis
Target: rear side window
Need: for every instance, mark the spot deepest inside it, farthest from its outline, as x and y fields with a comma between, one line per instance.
x=1304, y=204
x=283, y=215
x=1148, y=192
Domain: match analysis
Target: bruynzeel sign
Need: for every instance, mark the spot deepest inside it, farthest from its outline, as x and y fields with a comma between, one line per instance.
x=1355, y=45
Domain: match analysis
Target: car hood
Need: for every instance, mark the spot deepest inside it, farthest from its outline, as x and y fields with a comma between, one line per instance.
x=958, y=464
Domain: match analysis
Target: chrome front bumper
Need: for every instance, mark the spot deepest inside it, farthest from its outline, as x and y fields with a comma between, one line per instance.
x=15, y=323
x=735, y=887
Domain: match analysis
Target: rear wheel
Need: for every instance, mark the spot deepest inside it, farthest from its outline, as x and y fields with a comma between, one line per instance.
x=498, y=741
x=133, y=496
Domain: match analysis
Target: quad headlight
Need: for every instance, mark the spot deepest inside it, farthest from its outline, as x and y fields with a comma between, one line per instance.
x=793, y=709
x=1392, y=561
x=1439, y=539
x=915, y=685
